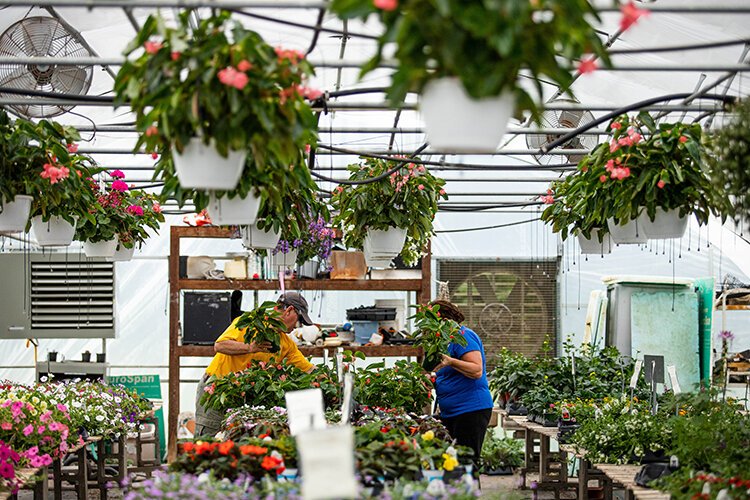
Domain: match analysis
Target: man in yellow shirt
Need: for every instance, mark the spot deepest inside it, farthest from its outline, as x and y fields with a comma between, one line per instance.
x=233, y=355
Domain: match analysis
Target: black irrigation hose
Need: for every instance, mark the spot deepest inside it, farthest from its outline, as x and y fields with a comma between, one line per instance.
x=484, y=228
x=380, y=177
x=631, y=107
x=678, y=48
x=316, y=35
x=305, y=26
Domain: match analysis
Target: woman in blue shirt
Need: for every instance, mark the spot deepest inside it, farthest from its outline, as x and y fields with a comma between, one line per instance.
x=461, y=385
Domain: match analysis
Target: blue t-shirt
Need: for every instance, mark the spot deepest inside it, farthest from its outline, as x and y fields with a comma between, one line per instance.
x=458, y=393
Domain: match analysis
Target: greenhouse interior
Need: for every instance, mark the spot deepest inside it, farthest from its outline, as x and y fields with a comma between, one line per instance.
x=329, y=249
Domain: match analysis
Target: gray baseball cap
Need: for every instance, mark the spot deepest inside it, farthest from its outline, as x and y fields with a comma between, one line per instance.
x=299, y=304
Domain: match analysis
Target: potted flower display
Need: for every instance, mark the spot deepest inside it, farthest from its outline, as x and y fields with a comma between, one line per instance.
x=642, y=183
x=60, y=194
x=391, y=216
x=434, y=333
x=105, y=220
x=142, y=212
x=216, y=94
x=730, y=163
x=17, y=175
x=466, y=59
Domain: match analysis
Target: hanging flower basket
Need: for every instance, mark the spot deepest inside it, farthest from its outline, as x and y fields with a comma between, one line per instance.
x=630, y=233
x=666, y=224
x=454, y=121
x=123, y=254
x=592, y=246
x=385, y=243
x=105, y=248
x=55, y=232
x=201, y=166
x=15, y=214
x=225, y=211
x=254, y=237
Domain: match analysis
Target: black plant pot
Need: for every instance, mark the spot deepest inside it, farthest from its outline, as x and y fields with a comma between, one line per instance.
x=502, y=471
x=52, y=356
x=430, y=363
x=86, y=357
x=517, y=409
x=101, y=357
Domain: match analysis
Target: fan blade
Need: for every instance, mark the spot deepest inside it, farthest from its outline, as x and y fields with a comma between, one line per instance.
x=71, y=80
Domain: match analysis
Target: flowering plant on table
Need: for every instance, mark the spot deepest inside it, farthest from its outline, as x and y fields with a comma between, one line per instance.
x=262, y=324
x=435, y=334
x=227, y=459
x=381, y=451
x=9, y=461
x=405, y=386
x=406, y=199
x=255, y=421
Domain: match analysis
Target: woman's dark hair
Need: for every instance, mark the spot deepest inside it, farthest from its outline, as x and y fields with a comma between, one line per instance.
x=449, y=310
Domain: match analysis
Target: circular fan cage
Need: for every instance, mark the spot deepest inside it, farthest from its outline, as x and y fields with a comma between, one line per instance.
x=562, y=119
x=43, y=37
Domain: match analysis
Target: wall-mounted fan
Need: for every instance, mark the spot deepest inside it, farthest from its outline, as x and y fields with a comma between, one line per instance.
x=562, y=119
x=43, y=37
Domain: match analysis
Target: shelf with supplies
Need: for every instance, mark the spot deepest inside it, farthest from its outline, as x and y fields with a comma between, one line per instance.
x=177, y=284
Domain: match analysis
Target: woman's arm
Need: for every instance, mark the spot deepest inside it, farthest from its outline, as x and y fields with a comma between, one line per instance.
x=470, y=364
x=234, y=347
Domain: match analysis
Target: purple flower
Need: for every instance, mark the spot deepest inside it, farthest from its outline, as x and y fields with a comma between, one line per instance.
x=726, y=335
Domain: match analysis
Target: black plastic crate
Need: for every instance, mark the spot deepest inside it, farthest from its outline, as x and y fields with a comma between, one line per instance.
x=364, y=313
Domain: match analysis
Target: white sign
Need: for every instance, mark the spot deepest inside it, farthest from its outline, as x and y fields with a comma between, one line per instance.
x=672, y=371
x=327, y=459
x=346, y=406
x=636, y=373
x=305, y=410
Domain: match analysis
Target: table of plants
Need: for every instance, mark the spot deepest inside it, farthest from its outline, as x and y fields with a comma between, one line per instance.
x=43, y=422
x=700, y=439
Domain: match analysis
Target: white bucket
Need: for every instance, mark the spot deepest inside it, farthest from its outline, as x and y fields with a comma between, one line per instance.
x=666, y=224
x=200, y=166
x=15, y=214
x=388, y=242
x=592, y=246
x=287, y=260
x=123, y=254
x=55, y=232
x=227, y=211
x=454, y=121
x=253, y=237
x=627, y=234
x=101, y=248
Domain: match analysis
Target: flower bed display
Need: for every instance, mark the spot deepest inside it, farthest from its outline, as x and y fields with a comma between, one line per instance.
x=405, y=386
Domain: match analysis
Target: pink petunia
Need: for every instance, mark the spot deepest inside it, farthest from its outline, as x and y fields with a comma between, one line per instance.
x=6, y=426
x=119, y=185
x=152, y=47
x=387, y=5
x=244, y=65
x=117, y=174
x=134, y=210
x=28, y=430
x=233, y=78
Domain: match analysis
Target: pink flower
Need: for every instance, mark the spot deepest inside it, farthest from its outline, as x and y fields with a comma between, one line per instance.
x=152, y=47
x=233, y=78
x=616, y=126
x=62, y=407
x=72, y=148
x=31, y=452
x=420, y=169
x=210, y=389
x=292, y=55
x=307, y=148
x=610, y=165
x=683, y=139
x=613, y=146
x=385, y=4
x=548, y=199
x=119, y=185
x=41, y=429
x=6, y=426
x=54, y=174
x=156, y=208
x=442, y=191
x=117, y=174
x=152, y=130
x=28, y=430
x=602, y=178
x=311, y=94
x=631, y=14
x=420, y=187
x=244, y=65
x=587, y=66
x=175, y=55
x=154, y=156
x=661, y=184
x=134, y=210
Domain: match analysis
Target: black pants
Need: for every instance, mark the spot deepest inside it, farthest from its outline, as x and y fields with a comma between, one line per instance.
x=469, y=429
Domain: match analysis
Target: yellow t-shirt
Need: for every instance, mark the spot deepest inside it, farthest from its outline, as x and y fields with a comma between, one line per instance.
x=223, y=364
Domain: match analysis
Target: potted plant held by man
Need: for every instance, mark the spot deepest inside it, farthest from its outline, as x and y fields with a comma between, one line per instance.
x=465, y=59
x=211, y=97
x=391, y=216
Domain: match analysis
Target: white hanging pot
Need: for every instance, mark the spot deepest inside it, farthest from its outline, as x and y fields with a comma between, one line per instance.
x=377, y=261
x=287, y=260
x=100, y=248
x=666, y=224
x=592, y=246
x=55, y=232
x=627, y=234
x=227, y=211
x=201, y=166
x=15, y=214
x=454, y=121
x=384, y=243
x=123, y=254
x=253, y=237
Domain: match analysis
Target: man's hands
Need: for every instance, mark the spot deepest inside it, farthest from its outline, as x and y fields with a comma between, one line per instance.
x=446, y=361
x=258, y=347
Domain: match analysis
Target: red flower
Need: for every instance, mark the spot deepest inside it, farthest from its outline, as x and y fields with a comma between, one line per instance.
x=152, y=47
x=154, y=156
x=603, y=178
x=660, y=184
x=226, y=447
x=119, y=185
x=152, y=130
x=188, y=447
x=587, y=66
x=630, y=14
x=134, y=210
x=386, y=4
x=250, y=449
x=384, y=429
x=683, y=139
x=616, y=126
x=233, y=78
x=72, y=148
x=175, y=55
x=270, y=463
x=117, y=174
x=203, y=447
